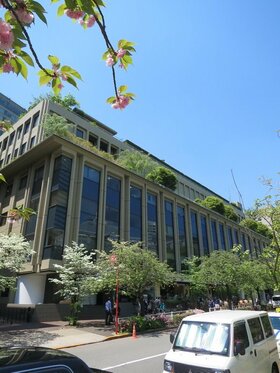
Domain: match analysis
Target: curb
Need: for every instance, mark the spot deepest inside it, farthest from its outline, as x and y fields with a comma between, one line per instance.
x=109, y=338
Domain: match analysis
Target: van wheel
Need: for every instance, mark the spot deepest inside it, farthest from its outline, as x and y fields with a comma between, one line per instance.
x=274, y=369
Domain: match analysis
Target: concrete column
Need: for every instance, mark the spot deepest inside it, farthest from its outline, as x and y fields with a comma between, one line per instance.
x=30, y=289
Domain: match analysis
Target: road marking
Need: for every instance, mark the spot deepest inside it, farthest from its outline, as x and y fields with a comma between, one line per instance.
x=134, y=361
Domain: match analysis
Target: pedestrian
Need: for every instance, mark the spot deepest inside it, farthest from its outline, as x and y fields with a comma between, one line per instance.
x=108, y=312
x=162, y=306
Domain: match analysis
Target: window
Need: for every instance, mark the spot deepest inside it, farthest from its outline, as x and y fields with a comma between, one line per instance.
x=267, y=326
x=79, y=133
x=112, y=215
x=195, y=238
x=8, y=158
x=236, y=238
x=169, y=234
x=135, y=214
x=9, y=188
x=3, y=219
x=230, y=239
x=11, y=138
x=35, y=120
x=38, y=178
x=152, y=222
x=92, y=139
x=89, y=208
x=204, y=232
x=256, y=329
x=26, y=127
x=240, y=334
x=23, y=182
x=22, y=149
x=182, y=233
x=243, y=242
x=32, y=142
x=5, y=142
x=222, y=236
x=19, y=131
x=114, y=151
x=214, y=235
x=16, y=153
x=104, y=146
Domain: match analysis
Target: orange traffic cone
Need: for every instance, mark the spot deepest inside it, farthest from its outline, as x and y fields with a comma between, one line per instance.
x=134, y=331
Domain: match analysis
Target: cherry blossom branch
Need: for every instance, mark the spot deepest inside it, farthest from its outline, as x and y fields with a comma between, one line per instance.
x=9, y=7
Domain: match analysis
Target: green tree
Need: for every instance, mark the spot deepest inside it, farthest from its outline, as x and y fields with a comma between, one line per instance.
x=230, y=213
x=229, y=271
x=137, y=162
x=213, y=203
x=163, y=176
x=15, y=251
x=74, y=277
x=137, y=269
x=54, y=124
x=68, y=101
x=257, y=226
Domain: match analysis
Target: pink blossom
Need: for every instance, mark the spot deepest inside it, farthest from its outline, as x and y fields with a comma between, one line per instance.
x=6, y=35
x=91, y=21
x=121, y=102
x=121, y=52
x=60, y=86
x=7, y=68
x=24, y=16
x=110, y=60
x=74, y=14
x=64, y=77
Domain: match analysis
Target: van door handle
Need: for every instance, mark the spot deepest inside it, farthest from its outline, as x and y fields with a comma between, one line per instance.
x=255, y=351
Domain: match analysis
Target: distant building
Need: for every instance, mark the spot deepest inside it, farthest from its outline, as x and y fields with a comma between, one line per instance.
x=9, y=110
x=82, y=196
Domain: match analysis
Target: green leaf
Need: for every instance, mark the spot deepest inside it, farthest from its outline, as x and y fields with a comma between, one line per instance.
x=71, y=81
x=23, y=68
x=2, y=178
x=45, y=79
x=122, y=88
x=61, y=9
x=111, y=99
x=54, y=60
x=55, y=86
x=26, y=57
x=69, y=70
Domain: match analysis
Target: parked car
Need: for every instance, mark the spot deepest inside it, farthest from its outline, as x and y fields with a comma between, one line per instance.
x=41, y=360
x=224, y=342
x=275, y=301
x=275, y=321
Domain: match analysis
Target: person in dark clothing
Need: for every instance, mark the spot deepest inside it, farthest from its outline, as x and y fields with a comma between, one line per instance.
x=108, y=312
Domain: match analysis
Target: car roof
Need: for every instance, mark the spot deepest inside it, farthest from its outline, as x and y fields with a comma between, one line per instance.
x=224, y=316
x=34, y=357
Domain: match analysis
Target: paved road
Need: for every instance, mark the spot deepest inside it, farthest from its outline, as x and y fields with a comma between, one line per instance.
x=143, y=354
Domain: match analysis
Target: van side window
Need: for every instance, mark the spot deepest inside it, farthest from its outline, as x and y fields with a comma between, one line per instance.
x=256, y=329
x=240, y=334
x=268, y=331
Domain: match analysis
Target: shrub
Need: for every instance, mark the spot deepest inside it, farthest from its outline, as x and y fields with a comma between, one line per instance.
x=136, y=161
x=143, y=323
x=256, y=226
x=214, y=203
x=54, y=124
x=163, y=176
x=230, y=213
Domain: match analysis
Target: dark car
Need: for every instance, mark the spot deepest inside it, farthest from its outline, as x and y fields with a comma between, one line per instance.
x=41, y=360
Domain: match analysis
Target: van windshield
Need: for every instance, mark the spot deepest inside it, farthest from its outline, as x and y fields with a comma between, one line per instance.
x=276, y=298
x=203, y=337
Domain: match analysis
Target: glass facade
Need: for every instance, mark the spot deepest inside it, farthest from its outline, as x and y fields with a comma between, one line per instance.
x=236, y=238
x=169, y=234
x=89, y=208
x=214, y=235
x=57, y=212
x=204, y=232
x=182, y=233
x=222, y=236
x=30, y=225
x=135, y=214
x=230, y=239
x=244, y=242
x=112, y=214
x=152, y=222
x=195, y=237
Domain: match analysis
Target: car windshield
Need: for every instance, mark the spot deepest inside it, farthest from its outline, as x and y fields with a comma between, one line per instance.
x=276, y=298
x=203, y=337
x=275, y=321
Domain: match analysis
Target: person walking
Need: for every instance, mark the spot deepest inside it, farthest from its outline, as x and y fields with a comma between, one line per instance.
x=108, y=312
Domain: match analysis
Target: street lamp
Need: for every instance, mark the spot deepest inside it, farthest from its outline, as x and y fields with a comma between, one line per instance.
x=113, y=260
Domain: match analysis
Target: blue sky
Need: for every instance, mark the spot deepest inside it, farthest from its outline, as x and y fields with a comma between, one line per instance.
x=207, y=79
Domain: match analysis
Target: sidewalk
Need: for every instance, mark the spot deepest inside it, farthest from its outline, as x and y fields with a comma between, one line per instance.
x=56, y=334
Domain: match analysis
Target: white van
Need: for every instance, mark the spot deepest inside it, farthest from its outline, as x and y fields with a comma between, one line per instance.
x=224, y=342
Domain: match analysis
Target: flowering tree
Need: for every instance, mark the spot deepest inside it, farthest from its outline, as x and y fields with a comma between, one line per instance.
x=20, y=15
x=74, y=276
x=14, y=252
x=137, y=269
